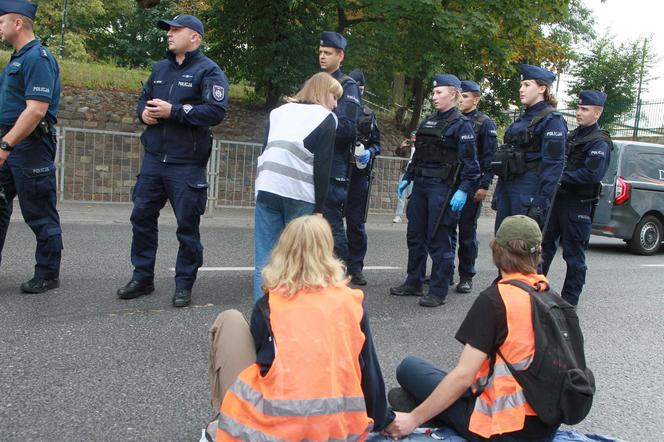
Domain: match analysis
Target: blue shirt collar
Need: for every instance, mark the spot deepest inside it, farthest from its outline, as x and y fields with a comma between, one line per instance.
x=26, y=47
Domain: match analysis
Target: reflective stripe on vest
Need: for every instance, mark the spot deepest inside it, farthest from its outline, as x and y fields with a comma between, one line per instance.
x=287, y=169
x=502, y=407
x=313, y=388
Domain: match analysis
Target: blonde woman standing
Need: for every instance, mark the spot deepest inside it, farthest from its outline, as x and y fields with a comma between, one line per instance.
x=294, y=169
x=307, y=366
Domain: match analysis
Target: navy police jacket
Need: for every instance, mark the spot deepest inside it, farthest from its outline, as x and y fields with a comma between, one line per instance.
x=552, y=135
x=462, y=137
x=589, y=164
x=198, y=91
x=486, y=141
x=347, y=112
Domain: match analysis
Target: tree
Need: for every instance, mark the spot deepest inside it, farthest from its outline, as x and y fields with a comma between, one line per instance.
x=614, y=69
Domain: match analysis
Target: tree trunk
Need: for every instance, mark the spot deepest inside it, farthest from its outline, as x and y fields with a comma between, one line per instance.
x=418, y=95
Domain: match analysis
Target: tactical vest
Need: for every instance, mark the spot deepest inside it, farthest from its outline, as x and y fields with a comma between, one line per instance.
x=526, y=140
x=478, y=120
x=576, y=155
x=365, y=126
x=432, y=145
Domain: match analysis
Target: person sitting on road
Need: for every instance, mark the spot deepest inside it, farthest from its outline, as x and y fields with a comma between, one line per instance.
x=476, y=402
x=306, y=368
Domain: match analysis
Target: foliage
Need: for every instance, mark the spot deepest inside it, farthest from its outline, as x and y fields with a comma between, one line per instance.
x=614, y=69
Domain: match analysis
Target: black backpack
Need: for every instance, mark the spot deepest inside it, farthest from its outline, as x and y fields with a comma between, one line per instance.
x=557, y=384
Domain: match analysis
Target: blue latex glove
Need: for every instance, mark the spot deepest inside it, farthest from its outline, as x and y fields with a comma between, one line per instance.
x=402, y=186
x=458, y=200
x=364, y=158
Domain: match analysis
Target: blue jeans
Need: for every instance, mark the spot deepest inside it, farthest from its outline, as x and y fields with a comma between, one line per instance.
x=272, y=214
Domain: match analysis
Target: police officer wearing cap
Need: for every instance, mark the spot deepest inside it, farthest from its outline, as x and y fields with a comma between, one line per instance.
x=588, y=156
x=330, y=55
x=486, y=141
x=531, y=161
x=29, y=101
x=445, y=171
x=358, y=191
x=185, y=95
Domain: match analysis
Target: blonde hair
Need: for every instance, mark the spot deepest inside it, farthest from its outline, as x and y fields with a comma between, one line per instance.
x=303, y=259
x=457, y=94
x=516, y=257
x=548, y=93
x=316, y=88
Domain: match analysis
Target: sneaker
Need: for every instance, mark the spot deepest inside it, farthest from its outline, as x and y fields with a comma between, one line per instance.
x=182, y=298
x=432, y=301
x=358, y=279
x=134, y=289
x=39, y=285
x=464, y=286
x=406, y=290
x=396, y=219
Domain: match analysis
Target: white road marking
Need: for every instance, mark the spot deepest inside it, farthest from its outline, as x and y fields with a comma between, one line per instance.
x=251, y=269
x=652, y=265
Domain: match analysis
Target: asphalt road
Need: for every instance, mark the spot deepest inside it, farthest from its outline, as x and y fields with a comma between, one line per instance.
x=79, y=364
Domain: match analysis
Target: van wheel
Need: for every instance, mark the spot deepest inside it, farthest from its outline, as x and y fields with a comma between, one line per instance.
x=647, y=236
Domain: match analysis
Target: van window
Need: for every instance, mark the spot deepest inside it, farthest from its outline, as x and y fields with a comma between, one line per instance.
x=643, y=166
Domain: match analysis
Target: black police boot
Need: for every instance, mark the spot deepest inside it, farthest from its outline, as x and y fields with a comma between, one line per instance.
x=358, y=279
x=134, y=289
x=432, y=301
x=406, y=290
x=39, y=285
x=182, y=298
x=464, y=286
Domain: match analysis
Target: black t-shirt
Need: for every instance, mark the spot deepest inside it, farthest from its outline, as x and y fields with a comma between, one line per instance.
x=485, y=328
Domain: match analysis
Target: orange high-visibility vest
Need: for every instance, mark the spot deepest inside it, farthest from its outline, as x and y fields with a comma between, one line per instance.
x=502, y=407
x=313, y=388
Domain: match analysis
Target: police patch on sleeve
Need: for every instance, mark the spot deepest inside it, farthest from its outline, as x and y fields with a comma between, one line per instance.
x=218, y=92
x=187, y=108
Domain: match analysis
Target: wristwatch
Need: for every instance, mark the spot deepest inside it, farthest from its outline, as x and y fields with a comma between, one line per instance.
x=5, y=146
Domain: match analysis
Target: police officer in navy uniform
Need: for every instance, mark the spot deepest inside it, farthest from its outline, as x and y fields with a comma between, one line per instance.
x=185, y=95
x=330, y=55
x=29, y=100
x=358, y=191
x=445, y=171
x=486, y=142
x=531, y=161
x=589, y=153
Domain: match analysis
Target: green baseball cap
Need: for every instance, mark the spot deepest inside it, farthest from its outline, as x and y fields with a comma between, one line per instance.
x=519, y=227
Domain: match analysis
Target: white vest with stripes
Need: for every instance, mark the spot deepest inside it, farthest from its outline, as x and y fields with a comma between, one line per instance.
x=286, y=167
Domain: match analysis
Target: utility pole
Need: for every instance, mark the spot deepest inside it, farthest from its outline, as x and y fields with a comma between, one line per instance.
x=62, y=30
x=637, y=118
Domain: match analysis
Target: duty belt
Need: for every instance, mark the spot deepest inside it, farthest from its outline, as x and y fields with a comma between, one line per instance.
x=442, y=172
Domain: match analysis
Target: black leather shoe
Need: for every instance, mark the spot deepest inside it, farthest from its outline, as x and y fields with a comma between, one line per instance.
x=358, y=279
x=432, y=301
x=464, y=286
x=134, y=289
x=401, y=400
x=182, y=298
x=406, y=290
x=39, y=285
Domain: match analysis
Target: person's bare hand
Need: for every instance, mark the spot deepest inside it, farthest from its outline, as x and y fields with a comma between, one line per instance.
x=158, y=108
x=480, y=195
x=3, y=157
x=147, y=119
x=402, y=425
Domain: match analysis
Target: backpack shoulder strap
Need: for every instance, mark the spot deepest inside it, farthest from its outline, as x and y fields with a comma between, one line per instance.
x=542, y=115
x=345, y=79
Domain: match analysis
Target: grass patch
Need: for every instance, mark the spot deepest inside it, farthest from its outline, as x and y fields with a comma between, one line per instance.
x=105, y=76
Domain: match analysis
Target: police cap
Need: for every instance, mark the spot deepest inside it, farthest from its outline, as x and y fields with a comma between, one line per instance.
x=333, y=40
x=446, y=80
x=358, y=76
x=182, y=21
x=22, y=7
x=530, y=72
x=592, y=98
x=470, y=86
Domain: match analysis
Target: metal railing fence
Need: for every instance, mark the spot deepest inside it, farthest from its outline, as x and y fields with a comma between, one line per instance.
x=99, y=165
